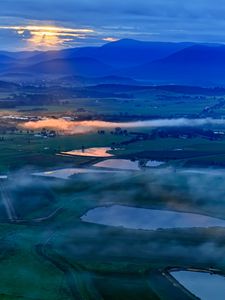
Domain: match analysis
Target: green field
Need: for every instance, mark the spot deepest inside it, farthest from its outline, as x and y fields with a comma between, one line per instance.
x=64, y=258
x=48, y=253
x=26, y=150
x=20, y=150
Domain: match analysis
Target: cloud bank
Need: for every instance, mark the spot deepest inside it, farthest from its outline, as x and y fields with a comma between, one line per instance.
x=158, y=20
x=79, y=127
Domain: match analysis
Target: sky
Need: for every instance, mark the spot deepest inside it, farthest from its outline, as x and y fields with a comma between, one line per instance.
x=54, y=24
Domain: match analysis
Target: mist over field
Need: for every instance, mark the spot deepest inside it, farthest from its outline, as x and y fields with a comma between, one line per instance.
x=112, y=150
x=82, y=127
x=165, y=190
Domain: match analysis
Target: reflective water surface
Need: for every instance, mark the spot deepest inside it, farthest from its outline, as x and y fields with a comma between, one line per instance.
x=148, y=219
x=203, y=285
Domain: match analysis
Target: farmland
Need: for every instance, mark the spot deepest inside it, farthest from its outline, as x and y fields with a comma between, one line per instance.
x=47, y=185
x=48, y=250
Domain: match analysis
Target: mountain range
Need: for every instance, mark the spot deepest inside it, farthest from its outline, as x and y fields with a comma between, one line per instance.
x=122, y=61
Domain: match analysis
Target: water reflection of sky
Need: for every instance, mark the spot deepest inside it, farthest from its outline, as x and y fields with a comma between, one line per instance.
x=67, y=173
x=93, y=152
x=148, y=219
x=202, y=285
x=121, y=164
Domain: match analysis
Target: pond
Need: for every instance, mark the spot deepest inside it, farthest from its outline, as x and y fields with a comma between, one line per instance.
x=148, y=219
x=203, y=285
x=66, y=173
x=92, y=152
x=120, y=164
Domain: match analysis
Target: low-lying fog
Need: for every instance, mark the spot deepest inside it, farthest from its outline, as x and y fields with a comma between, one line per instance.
x=79, y=127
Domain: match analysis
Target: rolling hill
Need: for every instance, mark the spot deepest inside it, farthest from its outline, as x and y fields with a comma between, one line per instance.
x=195, y=64
x=149, y=62
x=83, y=66
x=123, y=53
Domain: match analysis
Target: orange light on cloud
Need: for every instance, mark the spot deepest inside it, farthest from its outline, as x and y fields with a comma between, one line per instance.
x=110, y=39
x=60, y=125
x=45, y=37
x=63, y=126
x=49, y=29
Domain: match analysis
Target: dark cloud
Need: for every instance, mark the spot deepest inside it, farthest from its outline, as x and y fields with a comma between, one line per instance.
x=175, y=20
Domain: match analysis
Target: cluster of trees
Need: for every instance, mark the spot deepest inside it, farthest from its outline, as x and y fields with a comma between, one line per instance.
x=119, y=131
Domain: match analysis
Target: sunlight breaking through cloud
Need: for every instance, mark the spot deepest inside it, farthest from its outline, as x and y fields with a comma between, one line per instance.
x=110, y=39
x=48, y=37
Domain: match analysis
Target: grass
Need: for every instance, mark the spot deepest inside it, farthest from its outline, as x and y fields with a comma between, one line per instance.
x=142, y=103
x=102, y=262
x=22, y=150
x=25, y=275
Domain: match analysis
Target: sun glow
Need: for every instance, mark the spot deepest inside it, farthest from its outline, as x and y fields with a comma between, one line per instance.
x=110, y=39
x=48, y=37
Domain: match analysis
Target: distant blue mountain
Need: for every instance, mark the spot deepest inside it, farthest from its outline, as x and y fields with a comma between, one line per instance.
x=127, y=52
x=195, y=64
x=89, y=81
x=20, y=54
x=4, y=59
x=199, y=54
x=154, y=62
x=123, y=53
x=81, y=66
